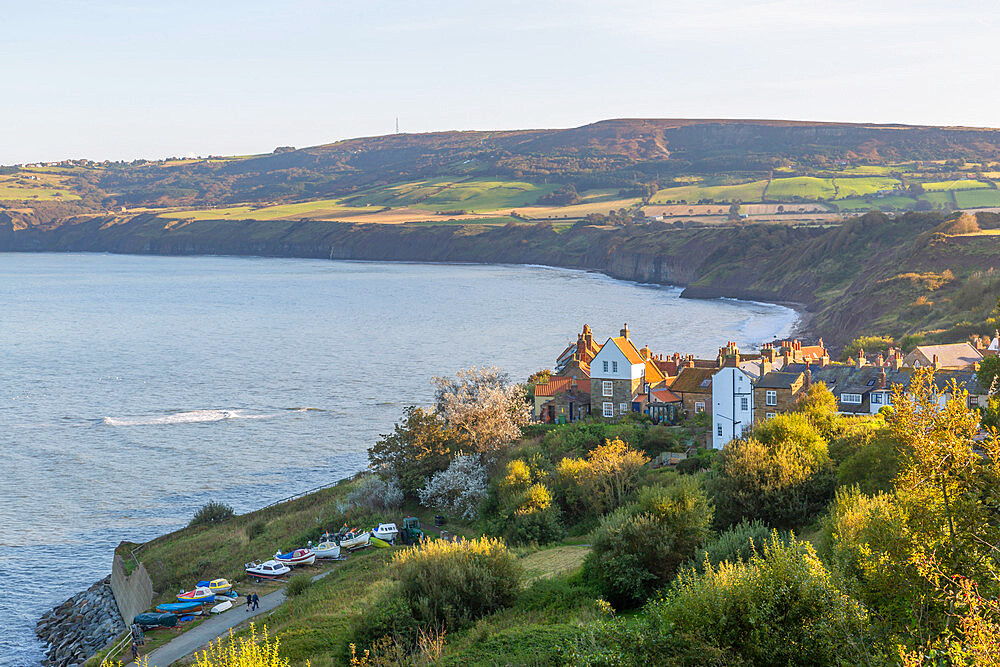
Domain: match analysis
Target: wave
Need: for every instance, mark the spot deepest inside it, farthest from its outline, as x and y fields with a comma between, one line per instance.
x=190, y=417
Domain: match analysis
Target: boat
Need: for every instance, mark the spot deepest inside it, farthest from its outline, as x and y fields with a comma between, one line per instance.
x=198, y=594
x=387, y=532
x=222, y=606
x=327, y=549
x=217, y=586
x=271, y=569
x=355, y=540
x=380, y=543
x=297, y=557
x=195, y=607
x=228, y=595
x=151, y=620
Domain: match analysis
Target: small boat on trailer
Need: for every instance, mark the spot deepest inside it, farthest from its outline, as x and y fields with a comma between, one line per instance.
x=386, y=532
x=297, y=557
x=271, y=569
x=198, y=594
x=181, y=608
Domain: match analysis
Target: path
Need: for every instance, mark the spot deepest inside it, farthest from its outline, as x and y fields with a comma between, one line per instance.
x=213, y=628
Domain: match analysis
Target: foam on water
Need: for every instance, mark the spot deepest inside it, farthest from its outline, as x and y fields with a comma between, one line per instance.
x=190, y=417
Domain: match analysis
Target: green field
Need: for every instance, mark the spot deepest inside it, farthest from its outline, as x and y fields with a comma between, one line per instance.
x=689, y=194
x=319, y=208
x=443, y=194
x=859, y=187
x=866, y=170
x=964, y=184
x=801, y=187
x=977, y=198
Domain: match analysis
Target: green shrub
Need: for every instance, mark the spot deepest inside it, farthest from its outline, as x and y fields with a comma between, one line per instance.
x=736, y=545
x=211, y=513
x=781, y=608
x=539, y=526
x=450, y=584
x=640, y=547
x=389, y=616
x=297, y=585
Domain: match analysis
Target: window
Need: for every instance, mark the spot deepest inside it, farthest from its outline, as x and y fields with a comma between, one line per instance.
x=718, y=430
x=771, y=415
x=853, y=399
x=622, y=408
x=609, y=409
x=609, y=388
x=605, y=367
x=699, y=406
x=744, y=403
x=877, y=398
x=771, y=397
x=614, y=366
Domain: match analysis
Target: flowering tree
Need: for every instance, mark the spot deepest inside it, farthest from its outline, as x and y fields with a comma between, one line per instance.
x=483, y=405
x=457, y=490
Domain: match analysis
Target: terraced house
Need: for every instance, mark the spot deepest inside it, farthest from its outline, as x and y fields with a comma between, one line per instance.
x=619, y=374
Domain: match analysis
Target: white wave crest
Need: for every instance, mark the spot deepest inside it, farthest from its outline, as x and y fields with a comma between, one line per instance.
x=191, y=417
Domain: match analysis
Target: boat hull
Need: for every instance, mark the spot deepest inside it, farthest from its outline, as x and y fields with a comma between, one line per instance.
x=181, y=608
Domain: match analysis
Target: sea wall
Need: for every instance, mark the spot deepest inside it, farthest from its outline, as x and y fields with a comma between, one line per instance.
x=81, y=626
x=133, y=593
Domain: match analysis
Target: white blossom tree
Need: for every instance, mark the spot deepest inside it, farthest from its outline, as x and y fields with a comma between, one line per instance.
x=459, y=489
x=483, y=406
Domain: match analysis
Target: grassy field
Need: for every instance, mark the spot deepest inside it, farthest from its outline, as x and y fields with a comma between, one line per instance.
x=745, y=192
x=980, y=198
x=859, y=187
x=444, y=194
x=801, y=187
x=962, y=184
x=36, y=186
x=321, y=209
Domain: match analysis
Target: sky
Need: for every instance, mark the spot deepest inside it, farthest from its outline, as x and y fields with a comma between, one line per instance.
x=110, y=79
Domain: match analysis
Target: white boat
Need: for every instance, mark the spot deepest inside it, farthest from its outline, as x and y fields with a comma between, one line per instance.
x=387, y=532
x=296, y=557
x=327, y=549
x=271, y=569
x=222, y=606
x=355, y=540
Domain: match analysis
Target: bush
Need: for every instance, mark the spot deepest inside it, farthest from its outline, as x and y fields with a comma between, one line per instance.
x=419, y=446
x=450, y=584
x=211, y=513
x=297, y=585
x=521, y=504
x=735, y=545
x=459, y=490
x=640, y=547
x=781, y=474
x=602, y=481
x=376, y=494
x=781, y=608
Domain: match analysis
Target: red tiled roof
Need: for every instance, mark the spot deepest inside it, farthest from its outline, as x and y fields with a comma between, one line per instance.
x=559, y=385
x=664, y=396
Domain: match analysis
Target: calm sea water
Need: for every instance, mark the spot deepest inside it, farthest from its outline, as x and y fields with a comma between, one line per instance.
x=133, y=389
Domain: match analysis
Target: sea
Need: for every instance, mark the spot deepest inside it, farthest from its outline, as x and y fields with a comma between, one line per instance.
x=134, y=389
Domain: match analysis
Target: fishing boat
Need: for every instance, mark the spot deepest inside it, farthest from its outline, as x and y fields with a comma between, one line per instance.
x=327, y=549
x=217, y=586
x=271, y=569
x=151, y=620
x=297, y=557
x=386, y=532
x=198, y=594
x=354, y=539
x=181, y=608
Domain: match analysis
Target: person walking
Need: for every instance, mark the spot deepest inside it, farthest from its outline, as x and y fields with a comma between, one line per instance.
x=249, y=601
x=256, y=601
x=135, y=651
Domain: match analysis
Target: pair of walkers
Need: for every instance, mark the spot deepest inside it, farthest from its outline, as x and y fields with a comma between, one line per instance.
x=253, y=601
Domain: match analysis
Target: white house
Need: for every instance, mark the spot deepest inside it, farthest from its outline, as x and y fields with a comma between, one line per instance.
x=617, y=372
x=732, y=402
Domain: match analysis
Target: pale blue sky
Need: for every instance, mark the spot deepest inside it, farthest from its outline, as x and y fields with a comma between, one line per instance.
x=124, y=79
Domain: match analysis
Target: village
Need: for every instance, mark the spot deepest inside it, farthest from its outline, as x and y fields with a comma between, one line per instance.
x=616, y=379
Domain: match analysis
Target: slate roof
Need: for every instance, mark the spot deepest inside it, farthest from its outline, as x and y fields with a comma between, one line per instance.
x=692, y=380
x=778, y=380
x=951, y=355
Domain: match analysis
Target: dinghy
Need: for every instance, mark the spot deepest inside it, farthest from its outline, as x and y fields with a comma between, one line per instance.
x=222, y=606
x=151, y=620
x=271, y=569
x=386, y=532
x=297, y=557
x=217, y=586
x=199, y=594
x=354, y=540
x=382, y=544
x=180, y=608
x=327, y=549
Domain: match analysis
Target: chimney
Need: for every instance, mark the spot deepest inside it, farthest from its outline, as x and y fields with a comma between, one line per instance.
x=646, y=353
x=879, y=361
x=897, y=360
x=809, y=376
x=861, y=360
x=689, y=363
x=824, y=361
x=624, y=332
x=765, y=367
x=882, y=381
x=937, y=364
x=820, y=343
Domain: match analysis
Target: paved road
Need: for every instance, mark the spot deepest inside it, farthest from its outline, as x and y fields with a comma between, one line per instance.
x=213, y=628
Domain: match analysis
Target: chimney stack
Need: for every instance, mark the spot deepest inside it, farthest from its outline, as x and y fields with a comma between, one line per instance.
x=624, y=332
x=882, y=381
x=937, y=364
x=809, y=376
x=897, y=360
x=861, y=358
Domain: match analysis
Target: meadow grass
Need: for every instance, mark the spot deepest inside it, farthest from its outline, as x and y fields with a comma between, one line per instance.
x=959, y=184
x=980, y=198
x=803, y=187
x=859, y=187
x=744, y=192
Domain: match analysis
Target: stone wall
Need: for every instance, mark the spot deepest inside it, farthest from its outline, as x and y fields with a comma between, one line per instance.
x=80, y=626
x=133, y=593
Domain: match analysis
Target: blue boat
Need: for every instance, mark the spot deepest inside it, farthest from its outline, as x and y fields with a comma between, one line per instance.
x=156, y=620
x=180, y=607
